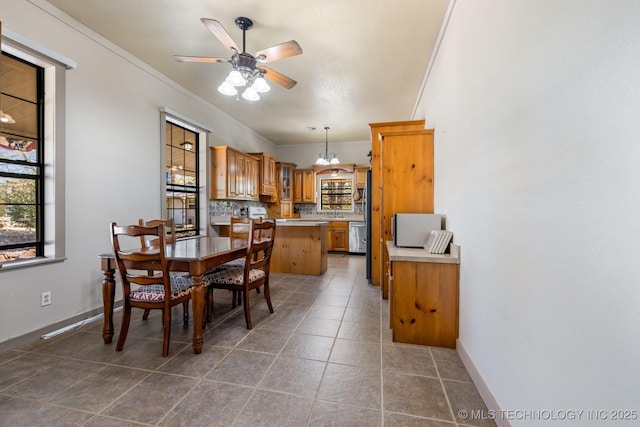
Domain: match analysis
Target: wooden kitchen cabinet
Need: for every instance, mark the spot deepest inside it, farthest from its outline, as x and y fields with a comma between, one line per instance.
x=423, y=297
x=338, y=236
x=304, y=186
x=360, y=176
x=283, y=205
x=234, y=174
x=267, y=175
x=401, y=181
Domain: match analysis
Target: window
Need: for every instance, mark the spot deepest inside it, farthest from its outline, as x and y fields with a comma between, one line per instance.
x=182, y=179
x=336, y=193
x=32, y=191
x=21, y=159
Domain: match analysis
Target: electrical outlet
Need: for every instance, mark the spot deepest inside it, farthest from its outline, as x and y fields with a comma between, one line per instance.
x=45, y=298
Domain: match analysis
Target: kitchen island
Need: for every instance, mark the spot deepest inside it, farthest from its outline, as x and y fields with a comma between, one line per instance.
x=300, y=246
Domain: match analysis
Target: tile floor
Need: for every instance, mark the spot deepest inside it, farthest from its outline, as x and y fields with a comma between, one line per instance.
x=324, y=358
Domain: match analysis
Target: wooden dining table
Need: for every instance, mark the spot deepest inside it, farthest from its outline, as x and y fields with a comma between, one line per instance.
x=194, y=255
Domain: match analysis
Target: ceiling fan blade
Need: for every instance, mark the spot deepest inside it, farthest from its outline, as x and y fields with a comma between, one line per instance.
x=279, y=51
x=182, y=58
x=218, y=30
x=278, y=78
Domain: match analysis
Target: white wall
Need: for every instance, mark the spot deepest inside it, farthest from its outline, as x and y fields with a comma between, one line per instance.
x=305, y=155
x=112, y=156
x=536, y=111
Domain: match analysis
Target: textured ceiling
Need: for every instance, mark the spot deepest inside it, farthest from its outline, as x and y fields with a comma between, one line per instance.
x=363, y=61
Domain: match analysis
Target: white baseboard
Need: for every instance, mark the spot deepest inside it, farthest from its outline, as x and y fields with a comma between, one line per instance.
x=483, y=389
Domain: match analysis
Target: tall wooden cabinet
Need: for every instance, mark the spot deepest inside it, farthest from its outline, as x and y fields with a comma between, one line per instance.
x=378, y=264
x=234, y=174
x=407, y=183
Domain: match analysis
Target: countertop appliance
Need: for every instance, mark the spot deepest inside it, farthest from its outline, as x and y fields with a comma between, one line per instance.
x=257, y=212
x=357, y=237
x=411, y=230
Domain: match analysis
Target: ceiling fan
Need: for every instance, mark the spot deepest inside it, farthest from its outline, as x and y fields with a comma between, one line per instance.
x=245, y=71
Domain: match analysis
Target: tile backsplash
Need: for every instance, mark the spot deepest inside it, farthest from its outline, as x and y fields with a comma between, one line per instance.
x=227, y=208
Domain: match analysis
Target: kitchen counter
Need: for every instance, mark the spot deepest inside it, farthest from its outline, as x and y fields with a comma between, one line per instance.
x=300, y=247
x=421, y=255
x=423, y=295
x=285, y=222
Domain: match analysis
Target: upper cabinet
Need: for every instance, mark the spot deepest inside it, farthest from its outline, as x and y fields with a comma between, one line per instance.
x=283, y=208
x=285, y=183
x=304, y=186
x=268, y=177
x=234, y=174
x=360, y=176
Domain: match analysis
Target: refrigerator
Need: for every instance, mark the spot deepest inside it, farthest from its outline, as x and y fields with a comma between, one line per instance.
x=366, y=201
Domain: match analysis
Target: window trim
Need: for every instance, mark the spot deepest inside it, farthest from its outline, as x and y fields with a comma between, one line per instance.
x=55, y=67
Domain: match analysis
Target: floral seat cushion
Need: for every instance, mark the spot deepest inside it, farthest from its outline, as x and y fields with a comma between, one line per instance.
x=233, y=276
x=181, y=285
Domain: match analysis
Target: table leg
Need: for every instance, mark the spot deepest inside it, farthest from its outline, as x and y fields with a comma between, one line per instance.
x=197, y=299
x=108, y=294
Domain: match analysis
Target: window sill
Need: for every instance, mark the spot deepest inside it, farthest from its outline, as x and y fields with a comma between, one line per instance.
x=15, y=265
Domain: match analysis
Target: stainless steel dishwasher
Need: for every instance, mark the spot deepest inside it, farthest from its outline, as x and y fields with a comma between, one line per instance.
x=357, y=237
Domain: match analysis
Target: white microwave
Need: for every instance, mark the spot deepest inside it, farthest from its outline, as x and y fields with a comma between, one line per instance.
x=411, y=230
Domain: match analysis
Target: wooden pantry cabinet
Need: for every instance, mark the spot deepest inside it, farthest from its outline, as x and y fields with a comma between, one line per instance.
x=401, y=181
x=234, y=174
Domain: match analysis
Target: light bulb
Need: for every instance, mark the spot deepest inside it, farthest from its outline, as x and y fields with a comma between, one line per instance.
x=235, y=78
x=261, y=85
x=227, y=88
x=250, y=94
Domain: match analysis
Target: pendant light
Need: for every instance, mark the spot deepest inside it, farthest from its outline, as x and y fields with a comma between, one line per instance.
x=325, y=158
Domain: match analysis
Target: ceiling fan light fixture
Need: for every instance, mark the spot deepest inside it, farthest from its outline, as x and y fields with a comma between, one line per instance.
x=260, y=85
x=236, y=78
x=250, y=94
x=227, y=88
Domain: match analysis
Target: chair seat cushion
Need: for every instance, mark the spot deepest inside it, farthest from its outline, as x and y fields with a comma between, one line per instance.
x=235, y=263
x=181, y=285
x=233, y=276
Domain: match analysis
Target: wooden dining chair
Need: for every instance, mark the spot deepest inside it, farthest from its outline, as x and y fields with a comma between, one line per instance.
x=147, y=269
x=170, y=238
x=254, y=273
x=238, y=229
